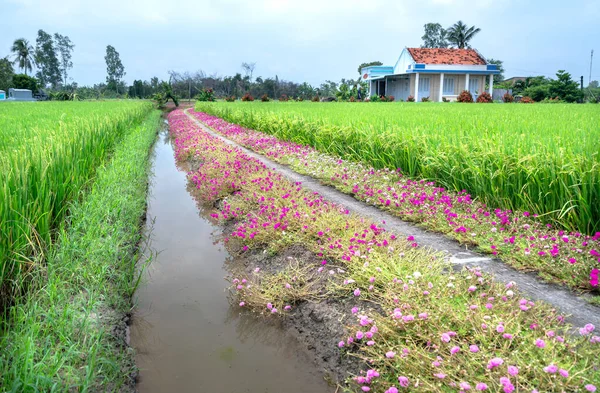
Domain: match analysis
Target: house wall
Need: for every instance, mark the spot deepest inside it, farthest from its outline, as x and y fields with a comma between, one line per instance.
x=403, y=61
x=434, y=84
x=398, y=88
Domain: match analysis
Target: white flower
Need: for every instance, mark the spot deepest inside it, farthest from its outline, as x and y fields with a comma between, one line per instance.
x=417, y=274
x=510, y=293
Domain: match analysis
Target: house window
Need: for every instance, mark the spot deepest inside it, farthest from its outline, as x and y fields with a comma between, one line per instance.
x=424, y=87
x=448, y=86
x=474, y=85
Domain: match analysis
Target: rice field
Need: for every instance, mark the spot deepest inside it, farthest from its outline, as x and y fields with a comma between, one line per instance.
x=48, y=154
x=541, y=159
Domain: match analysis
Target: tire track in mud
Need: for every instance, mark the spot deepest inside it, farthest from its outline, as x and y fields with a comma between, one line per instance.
x=577, y=309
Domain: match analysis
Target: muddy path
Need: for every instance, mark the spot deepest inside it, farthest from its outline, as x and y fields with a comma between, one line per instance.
x=577, y=309
x=186, y=335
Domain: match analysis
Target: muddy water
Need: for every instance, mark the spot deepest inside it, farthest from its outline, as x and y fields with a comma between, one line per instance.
x=187, y=336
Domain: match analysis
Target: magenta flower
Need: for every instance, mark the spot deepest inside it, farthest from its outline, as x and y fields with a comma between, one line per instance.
x=495, y=362
x=590, y=387
x=551, y=369
x=354, y=310
x=357, y=292
x=481, y=386
x=594, y=277
x=540, y=343
x=403, y=381
x=564, y=373
x=242, y=304
x=445, y=337
x=359, y=335
x=390, y=354
x=464, y=386
x=341, y=344
x=473, y=348
x=440, y=375
x=370, y=343
x=269, y=306
x=513, y=370
x=392, y=389
x=454, y=350
x=500, y=329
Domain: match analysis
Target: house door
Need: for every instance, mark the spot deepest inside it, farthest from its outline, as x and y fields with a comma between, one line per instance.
x=424, y=87
x=474, y=87
x=381, y=90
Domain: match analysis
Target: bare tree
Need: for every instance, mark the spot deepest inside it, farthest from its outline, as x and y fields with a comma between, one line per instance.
x=249, y=69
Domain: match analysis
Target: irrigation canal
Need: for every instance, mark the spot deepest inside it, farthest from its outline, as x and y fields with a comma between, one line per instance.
x=186, y=335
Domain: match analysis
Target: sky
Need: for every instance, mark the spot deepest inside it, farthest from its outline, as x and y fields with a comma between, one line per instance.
x=306, y=40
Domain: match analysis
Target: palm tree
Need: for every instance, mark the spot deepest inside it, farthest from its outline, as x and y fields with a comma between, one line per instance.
x=460, y=35
x=23, y=54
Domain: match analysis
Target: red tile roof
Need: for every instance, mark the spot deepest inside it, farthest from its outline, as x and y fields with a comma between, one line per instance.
x=446, y=56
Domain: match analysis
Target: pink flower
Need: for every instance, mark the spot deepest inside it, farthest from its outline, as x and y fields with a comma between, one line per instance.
x=464, y=386
x=564, y=373
x=481, y=386
x=507, y=336
x=500, y=329
x=513, y=370
x=540, y=343
x=473, y=348
x=495, y=362
x=390, y=354
x=359, y=335
x=370, y=343
x=445, y=337
x=454, y=350
x=287, y=307
x=357, y=292
x=594, y=277
x=365, y=388
x=590, y=387
x=354, y=310
x=440, y=375
x=242, y=304
x=392, y=390
x=551, y=369
x=269, y=306
x=341, y=344
x=403, y=381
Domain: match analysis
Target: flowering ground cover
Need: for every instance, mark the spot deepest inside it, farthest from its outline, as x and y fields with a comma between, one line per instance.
x=417, y=325
x=520, y=238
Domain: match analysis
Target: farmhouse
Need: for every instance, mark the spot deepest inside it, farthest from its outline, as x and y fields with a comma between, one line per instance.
x=436, y=73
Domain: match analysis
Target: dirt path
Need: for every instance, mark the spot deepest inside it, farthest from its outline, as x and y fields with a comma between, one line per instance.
x=576, y=308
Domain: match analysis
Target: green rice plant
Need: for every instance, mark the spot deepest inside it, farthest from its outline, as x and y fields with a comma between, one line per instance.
x=48, y=153
x=540, y=159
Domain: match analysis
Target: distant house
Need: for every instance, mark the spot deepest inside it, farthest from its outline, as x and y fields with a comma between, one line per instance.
x=514, y=79
x=436, y=73
x=20, y=95
x=2, y=95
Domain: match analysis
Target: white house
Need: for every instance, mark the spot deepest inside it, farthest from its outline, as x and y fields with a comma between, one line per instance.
x=436, y=73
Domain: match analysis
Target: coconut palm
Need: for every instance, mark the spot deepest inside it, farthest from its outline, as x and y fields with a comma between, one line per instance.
x=460, y=34
x=23, y=54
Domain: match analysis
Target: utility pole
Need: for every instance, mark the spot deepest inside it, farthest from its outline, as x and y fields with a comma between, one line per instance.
x=591, y=61
x=581, y=82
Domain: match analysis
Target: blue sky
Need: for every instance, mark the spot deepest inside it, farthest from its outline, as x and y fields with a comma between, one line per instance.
x=307, y=40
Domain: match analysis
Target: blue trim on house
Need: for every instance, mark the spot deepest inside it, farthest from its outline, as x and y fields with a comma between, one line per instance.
x=492, y=67
x=419, y=66
x=426, y=71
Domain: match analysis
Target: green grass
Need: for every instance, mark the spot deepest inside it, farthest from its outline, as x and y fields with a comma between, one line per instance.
x=58, y=336
x=48, y=152
x=539, y=158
